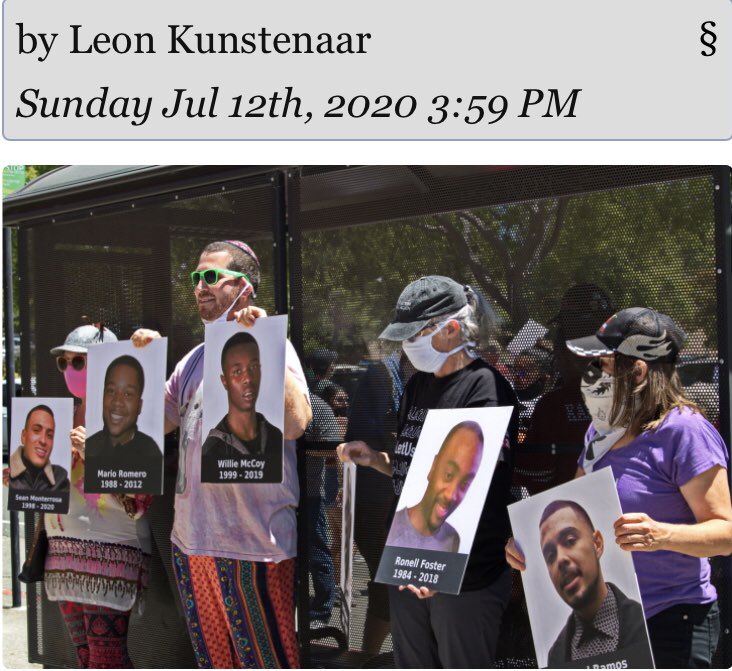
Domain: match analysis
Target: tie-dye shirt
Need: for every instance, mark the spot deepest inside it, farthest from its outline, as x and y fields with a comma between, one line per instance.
x=253, y=522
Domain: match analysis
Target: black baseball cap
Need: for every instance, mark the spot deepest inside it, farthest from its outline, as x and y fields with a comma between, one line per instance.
x=641, y=333
x=422, y=300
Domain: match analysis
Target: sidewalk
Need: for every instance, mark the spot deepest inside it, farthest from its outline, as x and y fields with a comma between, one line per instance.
x=15, y=632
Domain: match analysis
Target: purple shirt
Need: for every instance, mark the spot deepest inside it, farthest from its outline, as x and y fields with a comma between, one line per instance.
x=649, y=473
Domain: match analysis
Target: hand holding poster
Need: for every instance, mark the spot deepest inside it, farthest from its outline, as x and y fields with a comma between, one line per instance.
x=456, y=455
x=244, y=402
x=123, y=451
x=581, y=590
x=40, y=457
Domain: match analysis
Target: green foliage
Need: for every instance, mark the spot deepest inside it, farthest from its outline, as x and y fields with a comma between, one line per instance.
x=33, y=171
x=648, y=245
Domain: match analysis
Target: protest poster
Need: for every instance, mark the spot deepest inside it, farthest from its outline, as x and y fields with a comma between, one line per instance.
x=125, y=416
x=581, y=590
x=243, y=402
x=40, y=454
x=449, y=477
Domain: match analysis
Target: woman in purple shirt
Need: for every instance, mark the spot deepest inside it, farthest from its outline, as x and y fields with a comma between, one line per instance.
x=670, y=465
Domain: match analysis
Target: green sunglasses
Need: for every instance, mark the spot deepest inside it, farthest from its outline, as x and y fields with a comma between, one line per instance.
x=211, y=275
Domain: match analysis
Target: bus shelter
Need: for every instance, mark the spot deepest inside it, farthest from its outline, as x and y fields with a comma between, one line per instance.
x=547, y=245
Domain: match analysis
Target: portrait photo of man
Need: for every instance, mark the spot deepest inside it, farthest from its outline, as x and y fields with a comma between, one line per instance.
x=120, y=445
x=424, y=525
x=30, y=464
x=603, y=619
x=243, y=433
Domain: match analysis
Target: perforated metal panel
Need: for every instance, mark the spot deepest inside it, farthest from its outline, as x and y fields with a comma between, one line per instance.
x=128, y=265
x=525, y=236
x=563, y=247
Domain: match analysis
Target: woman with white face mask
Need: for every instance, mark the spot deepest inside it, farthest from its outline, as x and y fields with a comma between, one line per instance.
x=438, y=322
x=670, y=465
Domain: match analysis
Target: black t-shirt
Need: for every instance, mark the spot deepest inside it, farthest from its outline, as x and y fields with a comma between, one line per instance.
x=478, y=385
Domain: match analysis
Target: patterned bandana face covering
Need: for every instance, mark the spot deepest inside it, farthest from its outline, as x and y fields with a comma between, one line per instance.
x=597, y=393
x=597, y=389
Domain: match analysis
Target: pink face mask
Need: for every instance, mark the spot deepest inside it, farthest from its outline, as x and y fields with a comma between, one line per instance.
x=76, y=381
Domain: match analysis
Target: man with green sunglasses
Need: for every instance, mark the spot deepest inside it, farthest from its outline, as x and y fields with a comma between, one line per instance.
x=218, y=290
x=233, y=529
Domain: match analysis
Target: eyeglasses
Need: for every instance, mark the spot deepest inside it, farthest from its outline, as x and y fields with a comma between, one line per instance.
x=425, y=330
x=77, y=363
x=211, y=276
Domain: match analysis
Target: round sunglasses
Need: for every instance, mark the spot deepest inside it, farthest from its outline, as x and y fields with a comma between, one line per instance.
x=77, y=363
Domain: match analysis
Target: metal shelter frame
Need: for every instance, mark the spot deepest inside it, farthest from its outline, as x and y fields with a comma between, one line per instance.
x=353, y=196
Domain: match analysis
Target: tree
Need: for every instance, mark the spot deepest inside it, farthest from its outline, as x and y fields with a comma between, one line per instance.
x=517, y=238
x=650, y=245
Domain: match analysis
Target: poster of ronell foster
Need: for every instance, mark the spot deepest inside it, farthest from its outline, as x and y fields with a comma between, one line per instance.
x=243, y=402
x=437, y=514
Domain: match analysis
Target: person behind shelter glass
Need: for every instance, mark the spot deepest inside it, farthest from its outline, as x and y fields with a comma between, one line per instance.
x=330, y=420
x=603, y=619
x=425, y=525
x=234, y=545
x=670, y=466
x=322, y=432
x=98, y=553
x=120, y=444
x=30, y=465
x=531, y=374
x=242, y=431
x=438, y=322
x=373, y=419
x=337, y=398
x=560, y=419
x=322, y=363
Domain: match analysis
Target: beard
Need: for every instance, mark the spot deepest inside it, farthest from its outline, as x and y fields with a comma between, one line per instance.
x=212, y=305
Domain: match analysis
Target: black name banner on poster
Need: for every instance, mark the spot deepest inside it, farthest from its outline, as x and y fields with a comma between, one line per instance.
x=630, y=657
x=440, y=571
x=100, y=479
x=243, y=469
x=34, y=502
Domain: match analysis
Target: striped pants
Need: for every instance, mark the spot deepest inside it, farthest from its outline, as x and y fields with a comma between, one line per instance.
x=240, y=614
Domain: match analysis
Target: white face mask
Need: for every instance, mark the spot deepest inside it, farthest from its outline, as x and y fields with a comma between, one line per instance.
x=424, y=356
x=598, y=397
x=224, y=315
